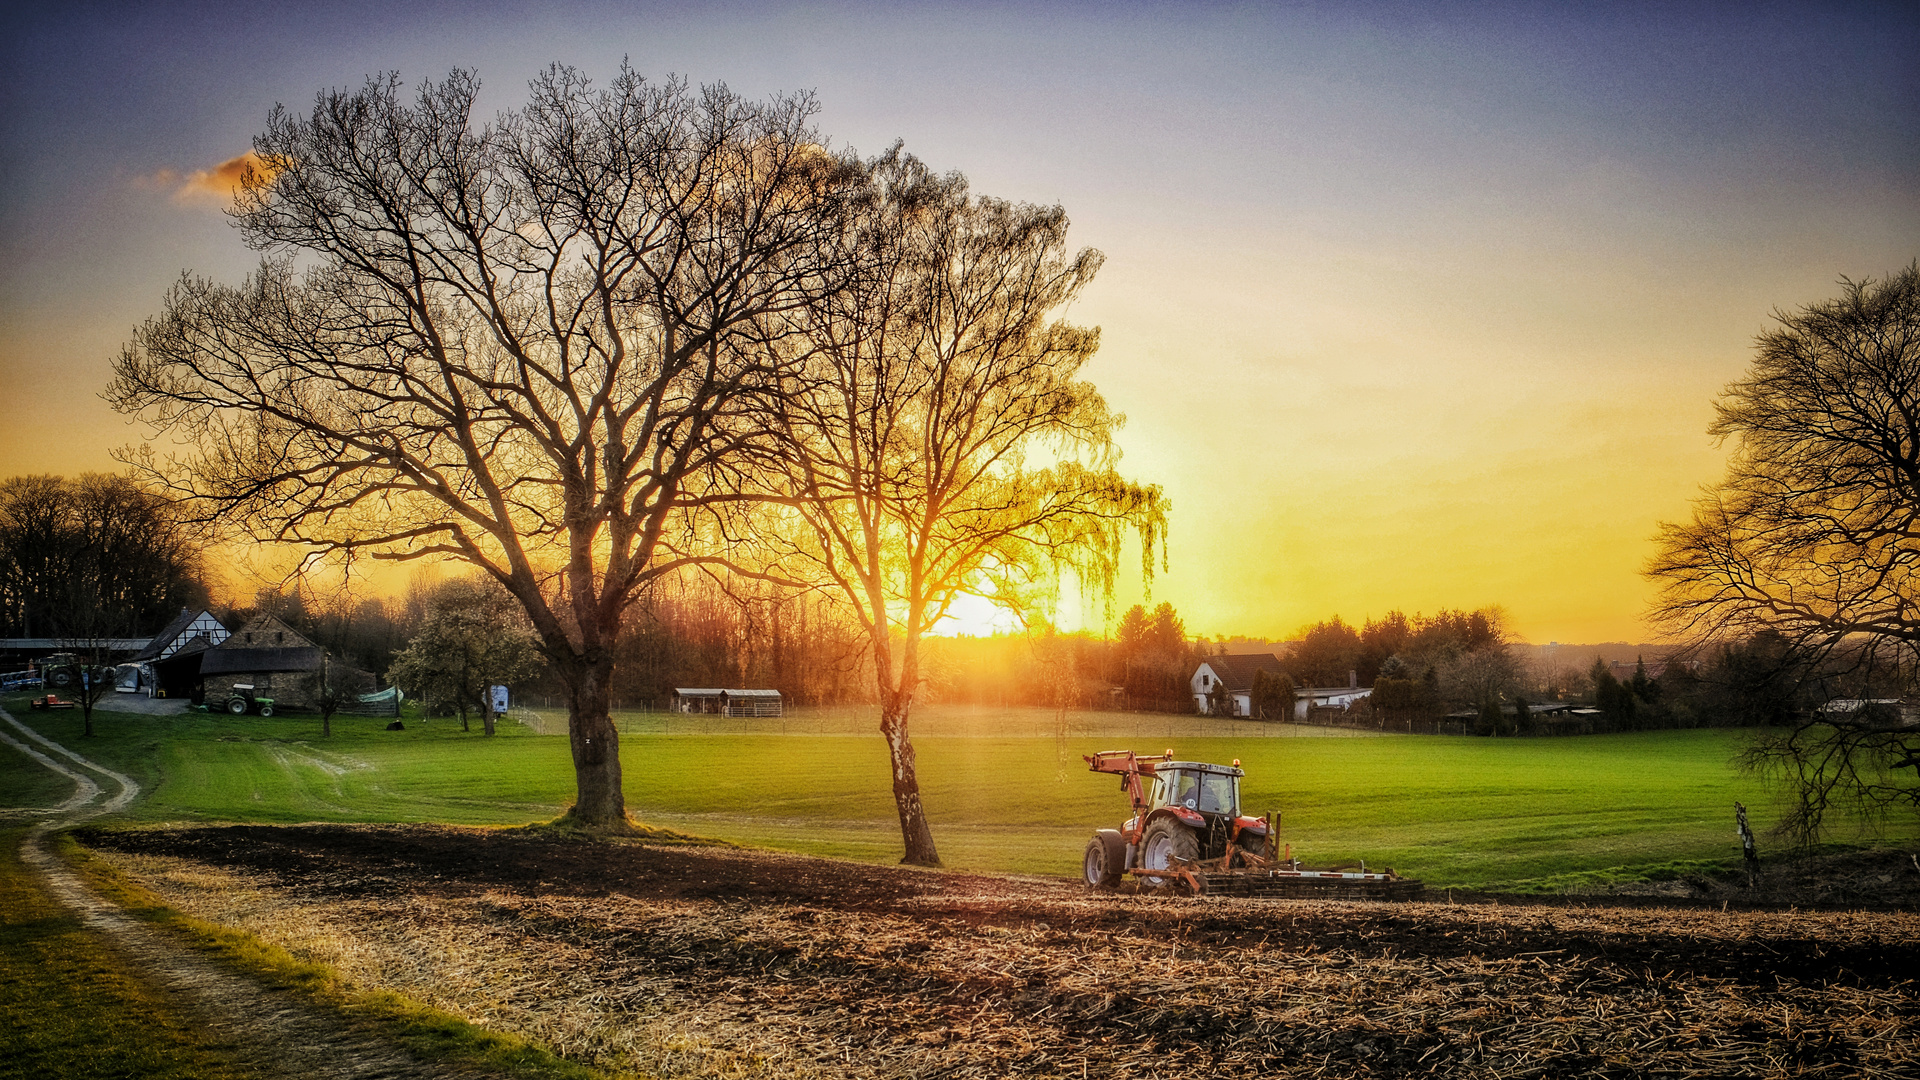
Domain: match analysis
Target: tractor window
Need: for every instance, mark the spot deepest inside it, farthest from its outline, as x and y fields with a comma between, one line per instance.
x=1216, y=795
x=1185, y=789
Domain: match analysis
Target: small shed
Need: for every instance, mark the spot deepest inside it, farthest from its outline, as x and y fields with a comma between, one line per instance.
x=1307, y=699
x=728, y=702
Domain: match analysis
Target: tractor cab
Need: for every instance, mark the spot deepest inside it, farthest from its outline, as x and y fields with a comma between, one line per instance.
x=1213, y=790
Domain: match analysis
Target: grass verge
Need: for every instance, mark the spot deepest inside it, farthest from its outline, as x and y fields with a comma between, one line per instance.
x=429, y=1033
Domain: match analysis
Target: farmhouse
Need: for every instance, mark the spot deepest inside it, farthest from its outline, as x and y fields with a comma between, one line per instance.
x=169, y=665
x=267, y=654
x=728, y=702
x=1236, y=674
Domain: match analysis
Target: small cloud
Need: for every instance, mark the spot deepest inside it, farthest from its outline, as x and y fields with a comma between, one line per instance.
x=215, y=186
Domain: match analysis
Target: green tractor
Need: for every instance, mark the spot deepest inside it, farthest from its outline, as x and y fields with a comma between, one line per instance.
x=62, y=671
x=244, y=701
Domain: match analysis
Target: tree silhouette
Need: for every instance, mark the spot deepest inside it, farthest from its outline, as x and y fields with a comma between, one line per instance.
x=515, y=343
x=1810, y=544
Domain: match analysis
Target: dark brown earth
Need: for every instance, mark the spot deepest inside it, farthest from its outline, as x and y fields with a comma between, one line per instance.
x=698, y=961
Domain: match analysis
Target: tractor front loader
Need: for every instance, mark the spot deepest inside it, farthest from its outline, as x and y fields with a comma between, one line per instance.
x=1187, y=832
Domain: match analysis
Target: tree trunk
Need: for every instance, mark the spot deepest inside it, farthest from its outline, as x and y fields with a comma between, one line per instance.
x=486, y=711
x=602, y=805
x=1748, y=856
x=914, y=831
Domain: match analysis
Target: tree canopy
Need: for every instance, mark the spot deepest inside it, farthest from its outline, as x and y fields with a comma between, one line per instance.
x=937, y=436
x=1814, y=533
x=472, y=638
x=94, y=556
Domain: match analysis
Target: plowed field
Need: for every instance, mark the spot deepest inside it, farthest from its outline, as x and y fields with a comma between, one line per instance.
x=696, y=961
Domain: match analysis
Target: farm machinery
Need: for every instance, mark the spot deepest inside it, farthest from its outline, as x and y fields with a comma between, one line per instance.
x=244, y=701
x=1187, y=832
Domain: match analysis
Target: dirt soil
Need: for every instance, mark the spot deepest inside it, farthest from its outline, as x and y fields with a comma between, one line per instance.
x=695, y=961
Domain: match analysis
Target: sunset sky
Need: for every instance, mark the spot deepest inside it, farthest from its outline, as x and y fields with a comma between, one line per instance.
x=1408, y=305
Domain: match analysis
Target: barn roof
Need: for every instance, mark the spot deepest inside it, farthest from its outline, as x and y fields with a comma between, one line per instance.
x=181, y=624
x=229, y=661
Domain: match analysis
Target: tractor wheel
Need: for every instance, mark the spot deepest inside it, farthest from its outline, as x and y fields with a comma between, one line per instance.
x=1253, y=846
x=1167, y=840
x=237, y=706
x=1106, y=859
x=60, y=677
x=266, y=710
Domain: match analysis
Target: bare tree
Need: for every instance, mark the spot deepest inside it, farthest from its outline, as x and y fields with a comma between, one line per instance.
x=924, y=392
x=1815, y=532
x=1813, y=539
x=106, y=541
x=335, y=686
x=1482, y=679
x=512, y=343
x=87, y=628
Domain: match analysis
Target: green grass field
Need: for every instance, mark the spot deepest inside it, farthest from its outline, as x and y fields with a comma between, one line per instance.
x=1468, y=812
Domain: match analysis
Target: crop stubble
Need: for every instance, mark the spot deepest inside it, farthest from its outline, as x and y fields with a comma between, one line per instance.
x=704, y=962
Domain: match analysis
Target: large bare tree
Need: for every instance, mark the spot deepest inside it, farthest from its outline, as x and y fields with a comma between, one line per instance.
x=939, y=438
x=1813, y=538
x=513, y=343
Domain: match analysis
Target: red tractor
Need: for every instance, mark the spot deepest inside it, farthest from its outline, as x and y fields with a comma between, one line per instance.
x=1187, y=828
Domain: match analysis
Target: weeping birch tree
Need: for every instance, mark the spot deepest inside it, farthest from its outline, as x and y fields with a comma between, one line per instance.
x=938, y=439
x=514, y=343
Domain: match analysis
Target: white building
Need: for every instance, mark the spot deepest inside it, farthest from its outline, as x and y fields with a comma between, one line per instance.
x=1236, y=673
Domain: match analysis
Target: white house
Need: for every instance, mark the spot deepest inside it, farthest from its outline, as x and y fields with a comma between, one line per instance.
x=1236, y=674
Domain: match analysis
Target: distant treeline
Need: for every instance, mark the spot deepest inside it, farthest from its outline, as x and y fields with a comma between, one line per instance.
x=1451, y=671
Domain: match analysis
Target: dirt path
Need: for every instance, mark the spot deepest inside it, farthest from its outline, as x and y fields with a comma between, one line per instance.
x=267, y=1031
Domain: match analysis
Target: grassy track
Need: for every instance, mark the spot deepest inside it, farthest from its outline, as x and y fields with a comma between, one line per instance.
x=69, y=1004
x=26, y=784
x=1453, y=811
